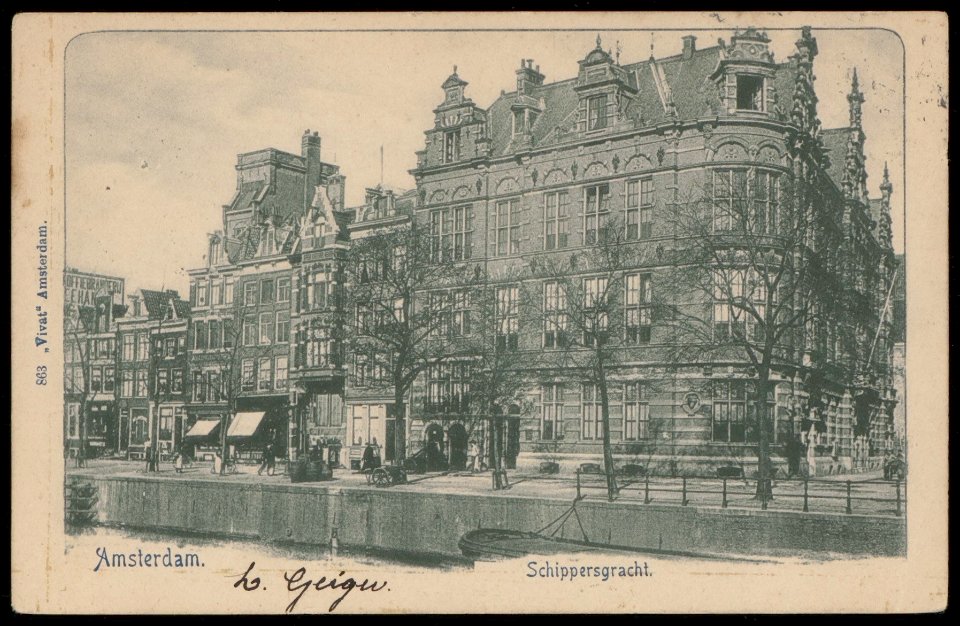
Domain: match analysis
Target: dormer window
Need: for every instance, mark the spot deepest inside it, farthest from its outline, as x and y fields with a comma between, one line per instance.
x=597, y=112
x=519, y=122
x=215, y=252
x=451, y=95
x=749, y=92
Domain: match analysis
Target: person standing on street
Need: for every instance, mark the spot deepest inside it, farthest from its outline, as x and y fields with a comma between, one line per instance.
x=148, y=456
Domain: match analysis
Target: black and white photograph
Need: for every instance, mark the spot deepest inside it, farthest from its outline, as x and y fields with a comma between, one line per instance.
x=576, y=309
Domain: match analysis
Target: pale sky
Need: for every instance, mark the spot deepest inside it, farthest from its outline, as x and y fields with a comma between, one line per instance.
x=155, y=120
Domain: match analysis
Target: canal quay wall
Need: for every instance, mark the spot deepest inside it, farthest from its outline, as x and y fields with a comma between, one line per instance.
x=432, y=523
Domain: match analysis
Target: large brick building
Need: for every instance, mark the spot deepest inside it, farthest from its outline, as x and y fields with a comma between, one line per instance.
x=538, y=171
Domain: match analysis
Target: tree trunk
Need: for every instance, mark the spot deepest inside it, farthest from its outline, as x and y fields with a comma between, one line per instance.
x=399, y=429
x=608, y=467
x=81, y=451
x=224, y=423
x=763, y=450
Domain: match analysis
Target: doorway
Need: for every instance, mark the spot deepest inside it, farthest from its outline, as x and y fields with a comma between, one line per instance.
x=457, y=437
x=433, y=444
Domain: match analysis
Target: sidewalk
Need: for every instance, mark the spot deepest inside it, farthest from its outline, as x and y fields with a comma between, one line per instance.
x=826, y=495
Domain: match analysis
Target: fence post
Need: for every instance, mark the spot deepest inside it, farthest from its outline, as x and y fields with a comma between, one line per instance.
x=806, y=484
x=849, y=508
x=578, y=483
x=899, y=510
x=646, y=489
x=683, y=499
x=724, y=505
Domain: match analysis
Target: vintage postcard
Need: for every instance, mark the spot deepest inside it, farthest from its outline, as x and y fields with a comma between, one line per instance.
x=479, y=313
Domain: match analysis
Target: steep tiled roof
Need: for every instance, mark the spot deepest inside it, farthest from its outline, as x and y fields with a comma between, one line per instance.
x=687, y=79
x=156, y=303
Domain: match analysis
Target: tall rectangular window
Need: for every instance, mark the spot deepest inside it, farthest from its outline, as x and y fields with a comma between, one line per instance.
x=249, y=332
x=283, y=290
x=730, y=198
x=639, y=206
x=215, y=338
x=250, y=293
x=283, y=327
x=96, y=379
x=551, y=411
x=636, y=412
x=320, y=288
x=266, y=290
x=280, y=373
x=163, y=381
x=507, y=227
x=200, y=336
x=639, y=301
x=597, y=112
x=126, y=384
x=729, y=411
x=555, y=319
x=166, y=423
x=176, y=381
x=143, y=347
x=247, y=380
x=202, y=292
x=591, y=422
x=451, y=235
x=595, y=314
x=267, y=322
x=129, y=351
x=451, y=146
x=108, y=379
x=556, y=212
x=766, y=202
x=216, y=291
x=228, y=291
x=140, y=390
x=508, y=321
x=596, y=205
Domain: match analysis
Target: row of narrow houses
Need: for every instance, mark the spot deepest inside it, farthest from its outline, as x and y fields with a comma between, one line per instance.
x=276, y=337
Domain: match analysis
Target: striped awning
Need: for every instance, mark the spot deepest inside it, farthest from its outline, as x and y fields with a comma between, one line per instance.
x=202, y=429
x=245, y=425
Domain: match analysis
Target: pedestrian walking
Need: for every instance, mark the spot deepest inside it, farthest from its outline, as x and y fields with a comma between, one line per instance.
x=473, y=457
x=271, y=460
x=367, y=460
x=377, y=459
x=265, y=460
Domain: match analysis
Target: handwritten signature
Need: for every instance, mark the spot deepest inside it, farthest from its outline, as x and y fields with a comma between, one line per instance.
x=299, y=584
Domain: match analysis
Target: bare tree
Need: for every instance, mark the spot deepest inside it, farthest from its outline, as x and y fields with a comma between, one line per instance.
x=586, y=322
x=748, y=281
x=156, y=358
x=499, y=369
x=76, y=331
x=394, y=323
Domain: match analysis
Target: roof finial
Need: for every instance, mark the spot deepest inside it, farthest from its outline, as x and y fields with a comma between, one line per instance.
x=454, y=69
x=598, y=42
x=886, y=172
x=651, y=45
x=856, y=83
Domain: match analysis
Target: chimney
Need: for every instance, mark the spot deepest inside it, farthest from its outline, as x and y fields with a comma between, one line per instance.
x=136, y=305
x=528, y=77
x=689, y=46
x=310, y=150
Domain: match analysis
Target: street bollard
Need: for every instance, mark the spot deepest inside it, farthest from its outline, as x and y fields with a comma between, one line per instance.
x=724, y=505
x=849, y=507
x=646, y=490
x=806, y=484
x=899, y=509
x=683, y=499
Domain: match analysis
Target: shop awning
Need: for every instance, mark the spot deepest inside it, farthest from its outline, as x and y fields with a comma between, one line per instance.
x=245, y=425
x=202, y=429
